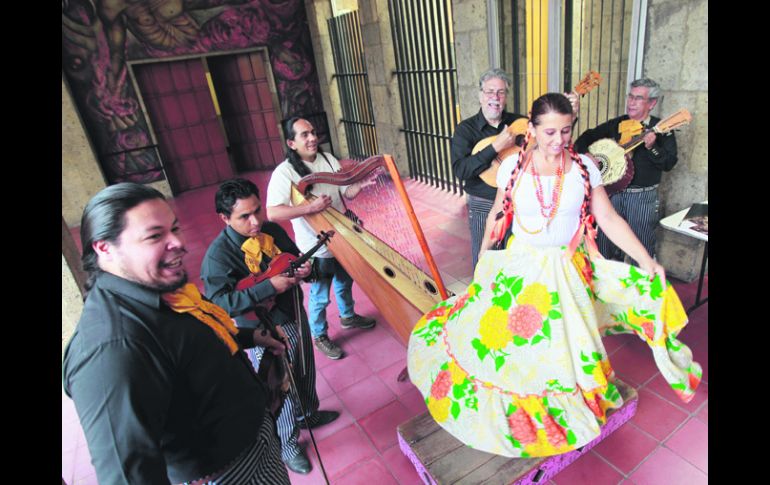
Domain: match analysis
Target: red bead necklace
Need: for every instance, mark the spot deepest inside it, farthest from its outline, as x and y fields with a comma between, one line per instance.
x=549, y=210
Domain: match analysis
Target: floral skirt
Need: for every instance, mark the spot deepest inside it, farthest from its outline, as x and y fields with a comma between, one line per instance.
x=516, y=366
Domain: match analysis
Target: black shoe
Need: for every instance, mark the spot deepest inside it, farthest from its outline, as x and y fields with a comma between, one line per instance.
x=324, y=417
x=357, y=321
x=299, y=464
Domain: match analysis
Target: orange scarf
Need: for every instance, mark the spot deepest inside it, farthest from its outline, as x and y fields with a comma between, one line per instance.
x=253, y=248
x=188, y=300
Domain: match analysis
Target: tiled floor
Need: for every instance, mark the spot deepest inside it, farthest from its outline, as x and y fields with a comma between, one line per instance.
x=666, y=442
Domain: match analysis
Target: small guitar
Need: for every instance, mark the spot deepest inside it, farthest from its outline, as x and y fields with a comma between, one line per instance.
x=519, y=128
x=614, y=159
x=283, y=263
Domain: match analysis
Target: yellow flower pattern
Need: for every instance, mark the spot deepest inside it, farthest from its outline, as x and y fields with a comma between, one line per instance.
x=494, y=328
x=458, y=375
x=536, y=295
x=439, y=408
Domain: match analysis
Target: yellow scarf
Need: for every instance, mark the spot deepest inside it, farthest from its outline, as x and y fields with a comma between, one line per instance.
x=253, y=248
x=188, y=300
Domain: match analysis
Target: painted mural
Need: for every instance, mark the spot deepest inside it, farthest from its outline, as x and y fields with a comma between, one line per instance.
x=99, y=37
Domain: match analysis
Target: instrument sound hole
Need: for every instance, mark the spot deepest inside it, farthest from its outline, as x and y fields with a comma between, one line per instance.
x=357, y=228
x=389, y=271
x=429, y=286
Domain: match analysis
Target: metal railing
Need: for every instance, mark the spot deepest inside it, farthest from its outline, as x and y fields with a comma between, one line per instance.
x=353, y=84
x=427, y=77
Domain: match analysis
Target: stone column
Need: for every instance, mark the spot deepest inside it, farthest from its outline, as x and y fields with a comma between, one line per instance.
x=676, y=56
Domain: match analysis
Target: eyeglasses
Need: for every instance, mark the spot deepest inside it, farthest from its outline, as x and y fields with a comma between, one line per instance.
x=631, y=97
x=498, y=94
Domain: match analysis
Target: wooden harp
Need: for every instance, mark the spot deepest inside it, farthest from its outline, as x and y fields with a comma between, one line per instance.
x=399, y=288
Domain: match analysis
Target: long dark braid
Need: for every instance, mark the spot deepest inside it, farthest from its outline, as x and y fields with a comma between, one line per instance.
x=291, y=155
x=585, y=208
x=501, y=228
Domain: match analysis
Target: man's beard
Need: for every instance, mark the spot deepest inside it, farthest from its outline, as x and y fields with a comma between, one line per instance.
x=170, y=286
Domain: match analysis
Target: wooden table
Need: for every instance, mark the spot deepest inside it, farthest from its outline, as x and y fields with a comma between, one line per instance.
x=672, y=224
x=440, y=458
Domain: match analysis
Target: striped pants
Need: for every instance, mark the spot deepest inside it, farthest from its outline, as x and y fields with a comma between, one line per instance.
x=259, y=464
x=288, y=431
x=640, y=207
x=478, y=210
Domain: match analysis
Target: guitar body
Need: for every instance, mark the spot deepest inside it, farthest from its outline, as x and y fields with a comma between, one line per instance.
x=616, y=168
x=519, y=128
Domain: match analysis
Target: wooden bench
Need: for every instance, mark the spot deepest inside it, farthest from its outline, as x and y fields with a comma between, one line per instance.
x=440, y=458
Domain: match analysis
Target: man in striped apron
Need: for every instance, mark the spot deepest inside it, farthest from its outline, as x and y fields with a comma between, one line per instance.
x=639, y=203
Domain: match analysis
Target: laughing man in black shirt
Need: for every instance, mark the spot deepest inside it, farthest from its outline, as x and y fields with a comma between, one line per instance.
x=161, y=386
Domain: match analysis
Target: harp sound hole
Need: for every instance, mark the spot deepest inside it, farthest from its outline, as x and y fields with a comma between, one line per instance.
x=389, y=271
x=429, y=286
x=357, y=228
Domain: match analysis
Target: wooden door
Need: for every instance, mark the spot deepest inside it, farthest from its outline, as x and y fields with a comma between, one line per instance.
x=190, y=138
x=248, y=111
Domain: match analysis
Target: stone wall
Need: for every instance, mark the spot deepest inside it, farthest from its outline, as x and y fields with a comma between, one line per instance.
x=469, y=21
x=81, y=175
x=676, y=56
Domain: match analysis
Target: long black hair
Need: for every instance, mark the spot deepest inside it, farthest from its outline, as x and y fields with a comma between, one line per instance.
x=104, y=219
x=292, y=155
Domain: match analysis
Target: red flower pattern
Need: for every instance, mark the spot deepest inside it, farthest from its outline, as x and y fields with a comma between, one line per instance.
x=522, y=427
x=441, y=385
x=556, y=435
x=649, y=330
x=525, y=321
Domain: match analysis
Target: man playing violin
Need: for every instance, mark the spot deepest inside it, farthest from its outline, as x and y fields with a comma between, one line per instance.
x=491, y=120
x=638, y=204
x=246, y=246
x=303, y=158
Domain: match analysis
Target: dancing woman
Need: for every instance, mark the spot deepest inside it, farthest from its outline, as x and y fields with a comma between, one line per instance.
x=516, y=365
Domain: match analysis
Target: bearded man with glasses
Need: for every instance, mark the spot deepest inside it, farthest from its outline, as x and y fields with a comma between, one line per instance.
x=491, y=120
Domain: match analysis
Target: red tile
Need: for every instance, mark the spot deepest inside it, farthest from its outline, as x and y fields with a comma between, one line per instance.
x=364, y=339
x=389, y=376
x=400, y=466
x=664, y=466
x=345, y=448
x=68, y=465
x=322, y=387
x=656, y=416
x=589, y=469
x=414, y=401
x=660, y=387
x=626, y=447
x=381, y=425
x=703, y=414
x=613, y=343
x=87, y=480
x=345, y=372
x=82, y=466
x=366, y=396
x=331, y=403
x=634, y=362
x=372, y=471
x=691, y=442
x=384, y=353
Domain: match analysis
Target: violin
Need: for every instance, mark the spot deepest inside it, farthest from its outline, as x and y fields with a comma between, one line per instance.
x=284, y=263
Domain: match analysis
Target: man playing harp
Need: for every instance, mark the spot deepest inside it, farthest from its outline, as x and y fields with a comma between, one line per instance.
x=302, y=159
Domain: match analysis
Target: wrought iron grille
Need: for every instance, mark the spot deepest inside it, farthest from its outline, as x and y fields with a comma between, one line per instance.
x=353, y=84
x=425, y=67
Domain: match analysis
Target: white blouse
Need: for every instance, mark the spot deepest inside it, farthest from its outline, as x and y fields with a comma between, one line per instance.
x=567, y=218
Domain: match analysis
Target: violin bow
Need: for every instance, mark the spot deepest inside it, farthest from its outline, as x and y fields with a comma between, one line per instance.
x=265, y=317
x=323, y=238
